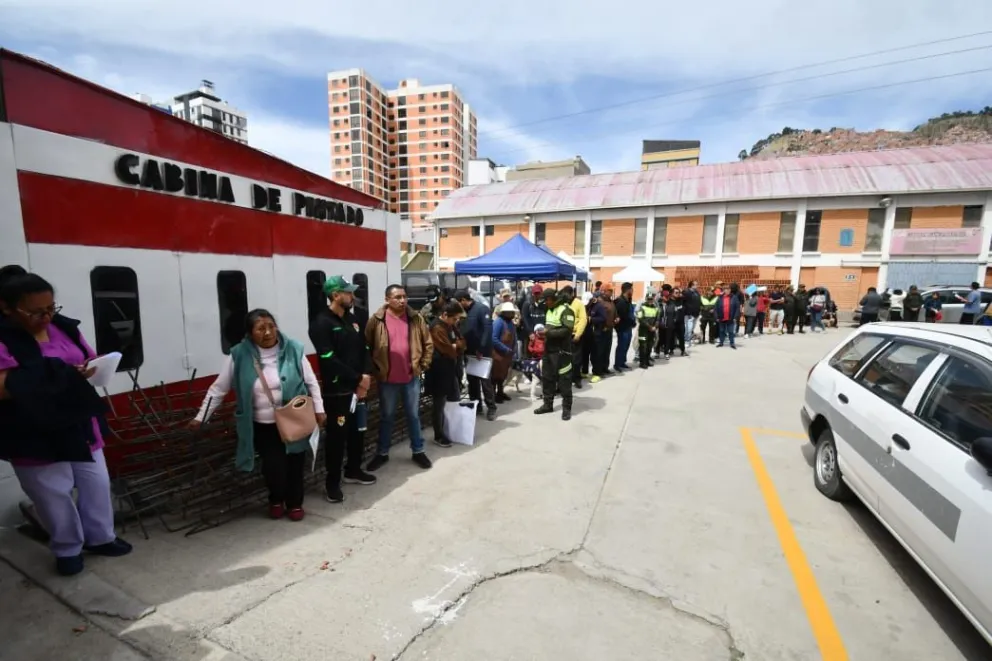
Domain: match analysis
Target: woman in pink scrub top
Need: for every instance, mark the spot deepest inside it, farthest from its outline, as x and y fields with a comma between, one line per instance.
x=52, y=420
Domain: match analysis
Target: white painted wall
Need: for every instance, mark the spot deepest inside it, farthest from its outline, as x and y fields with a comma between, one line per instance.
x=13, y=249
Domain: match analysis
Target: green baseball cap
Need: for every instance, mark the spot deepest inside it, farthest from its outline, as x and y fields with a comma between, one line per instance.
x=337, y=283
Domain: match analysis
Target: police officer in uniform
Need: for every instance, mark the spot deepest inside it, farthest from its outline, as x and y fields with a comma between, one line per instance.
x=556, y=368
x=647, y=325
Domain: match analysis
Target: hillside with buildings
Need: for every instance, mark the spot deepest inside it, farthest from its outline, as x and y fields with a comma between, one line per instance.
x=948, y=129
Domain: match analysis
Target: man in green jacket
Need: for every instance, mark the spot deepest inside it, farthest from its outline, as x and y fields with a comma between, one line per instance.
x=647, y=325
x=556, y=367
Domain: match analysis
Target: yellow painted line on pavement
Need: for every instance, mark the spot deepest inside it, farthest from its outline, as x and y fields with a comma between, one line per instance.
x=821, y=621
x=777, y=432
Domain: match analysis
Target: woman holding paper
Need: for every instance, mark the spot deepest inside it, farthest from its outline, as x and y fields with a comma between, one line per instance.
x=52, y=422
x=287, y=372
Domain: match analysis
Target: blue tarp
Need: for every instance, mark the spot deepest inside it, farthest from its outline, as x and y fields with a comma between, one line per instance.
x=519, y=259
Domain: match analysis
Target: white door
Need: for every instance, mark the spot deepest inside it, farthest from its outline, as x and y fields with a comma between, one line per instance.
x=849, y=410
x=948, y=501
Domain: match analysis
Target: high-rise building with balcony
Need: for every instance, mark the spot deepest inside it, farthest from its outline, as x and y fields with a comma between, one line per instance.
x=204, y=108
x=409, y=146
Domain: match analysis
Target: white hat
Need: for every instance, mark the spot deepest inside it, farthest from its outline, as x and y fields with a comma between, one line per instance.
x=539, y=328
x=508, y=306
x=586, y=297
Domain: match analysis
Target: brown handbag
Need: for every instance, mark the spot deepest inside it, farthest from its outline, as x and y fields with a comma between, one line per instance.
x=295, y=420
x=502, y=362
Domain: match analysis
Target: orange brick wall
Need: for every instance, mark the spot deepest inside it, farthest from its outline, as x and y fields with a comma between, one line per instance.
x=459, y=243
x=807, y=275
x=503, y=233
x=782, y=273
x=618, y=237
x=835, y=220
x=869, y=278
x=560, y=236
x=845, y=292
x=685, y=236
x=932, y=218
x=758, y=233
x=988, y=277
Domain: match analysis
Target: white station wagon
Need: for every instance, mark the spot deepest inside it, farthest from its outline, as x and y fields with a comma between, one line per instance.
x=900, y=415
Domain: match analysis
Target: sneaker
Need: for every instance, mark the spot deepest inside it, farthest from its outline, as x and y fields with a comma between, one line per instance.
x=297, y=513
x=566, y=414
x=334, y=495
x=491, y=414
x=69, y=565
x=595, y=379
x=358, y=476
x=114, y=549
x=442, y=442
x=377, y=462
x=276, y=511
x=421, y=459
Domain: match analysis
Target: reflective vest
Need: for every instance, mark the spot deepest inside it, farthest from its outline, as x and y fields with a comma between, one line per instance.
x=647, y=312
x=553, y=317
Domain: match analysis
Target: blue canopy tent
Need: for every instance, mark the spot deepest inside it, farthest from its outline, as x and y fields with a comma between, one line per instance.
x=519, y=259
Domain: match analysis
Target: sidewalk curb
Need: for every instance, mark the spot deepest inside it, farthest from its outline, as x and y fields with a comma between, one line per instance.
x=86, y=593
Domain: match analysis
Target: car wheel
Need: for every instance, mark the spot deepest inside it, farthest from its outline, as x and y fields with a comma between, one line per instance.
x=826, y=469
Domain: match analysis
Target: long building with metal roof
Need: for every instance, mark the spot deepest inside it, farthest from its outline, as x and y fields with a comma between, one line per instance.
x=845, y=221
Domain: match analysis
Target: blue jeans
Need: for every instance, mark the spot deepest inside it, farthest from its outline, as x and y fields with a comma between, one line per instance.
x=389, y=393
x=727, y=330
x=690, y=328
x=817, y=320
x=624, y=338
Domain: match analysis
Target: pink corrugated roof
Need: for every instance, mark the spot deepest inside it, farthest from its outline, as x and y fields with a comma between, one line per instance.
x=886, y=172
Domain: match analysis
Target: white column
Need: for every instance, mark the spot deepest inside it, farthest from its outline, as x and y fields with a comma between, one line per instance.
x=532, y=230
x=890, y=224
x=650, y=237
x=721, y=226
x=588, y=239
x=797, y=243
x=984, y=254
x=482, y=236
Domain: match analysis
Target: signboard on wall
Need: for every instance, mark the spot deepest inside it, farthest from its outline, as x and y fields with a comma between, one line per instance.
x=965, y=241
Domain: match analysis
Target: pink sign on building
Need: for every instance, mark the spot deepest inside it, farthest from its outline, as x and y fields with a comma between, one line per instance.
x=965, y=241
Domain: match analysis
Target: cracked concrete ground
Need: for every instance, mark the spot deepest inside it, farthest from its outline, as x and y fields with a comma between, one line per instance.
x=634, y=531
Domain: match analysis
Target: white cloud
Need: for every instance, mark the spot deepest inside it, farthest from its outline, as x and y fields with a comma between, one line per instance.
x=308, y=147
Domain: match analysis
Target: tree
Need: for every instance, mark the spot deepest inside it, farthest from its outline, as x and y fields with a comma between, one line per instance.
x=742, y=155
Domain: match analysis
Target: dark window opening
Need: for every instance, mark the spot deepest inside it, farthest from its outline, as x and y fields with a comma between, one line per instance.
x=232, y=302
x=811, y=231
x=316, y=301
x=117, y=314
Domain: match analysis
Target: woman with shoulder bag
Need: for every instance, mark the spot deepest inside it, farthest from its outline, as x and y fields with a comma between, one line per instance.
x=274, y=416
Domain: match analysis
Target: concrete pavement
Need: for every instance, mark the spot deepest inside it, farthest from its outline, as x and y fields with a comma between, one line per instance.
x=637, y=530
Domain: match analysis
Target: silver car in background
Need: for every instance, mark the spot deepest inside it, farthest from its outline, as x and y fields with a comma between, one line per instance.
x=951, y=308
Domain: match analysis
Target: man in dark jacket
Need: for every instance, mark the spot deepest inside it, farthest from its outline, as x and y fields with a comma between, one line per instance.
x=477, y=331
x=532, y=312
x=727, y=310
x=871, y=304
x=802, y=304
x=692, y=304
x=625, y=326
x=912, y=304
x=345, y=371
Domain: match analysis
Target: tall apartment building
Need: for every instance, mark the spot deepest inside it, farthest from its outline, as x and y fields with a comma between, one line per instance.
x=669, y=154
x=409, y=146
x=204, y=108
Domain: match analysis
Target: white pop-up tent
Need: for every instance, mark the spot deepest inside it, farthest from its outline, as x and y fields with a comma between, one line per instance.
x=639, y=271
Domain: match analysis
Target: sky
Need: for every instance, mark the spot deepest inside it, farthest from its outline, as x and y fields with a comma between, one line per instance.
x=549, y=79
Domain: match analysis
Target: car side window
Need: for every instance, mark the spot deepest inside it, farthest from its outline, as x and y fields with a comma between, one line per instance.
x=959, y=403
x=852, y=355
x=893, y=372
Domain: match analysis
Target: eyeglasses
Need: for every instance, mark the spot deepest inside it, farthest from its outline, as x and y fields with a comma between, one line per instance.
x=50, y=311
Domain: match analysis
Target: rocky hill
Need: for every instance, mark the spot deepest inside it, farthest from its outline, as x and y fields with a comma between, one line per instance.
x=948, y=129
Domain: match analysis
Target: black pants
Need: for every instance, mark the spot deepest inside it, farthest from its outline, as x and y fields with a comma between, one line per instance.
x=601, y=357
x=790, y=321
x=868, y=318
x=556, y=375
x=442, y=385
x=666, y=341
x=340, y=434
x=481, y=390
x=967, y=319
x=283, y=472
x=578, y=355
x=645, y=341
x=749, y=325
x=911, y=315
x=801, y=320
x=588, y=348
x=704, y=325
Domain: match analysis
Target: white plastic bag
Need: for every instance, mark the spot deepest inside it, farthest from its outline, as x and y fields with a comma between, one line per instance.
x=459, y=421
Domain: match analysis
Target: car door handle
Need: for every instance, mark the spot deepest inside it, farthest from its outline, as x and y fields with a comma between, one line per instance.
x=900, y=441
x=843, y=398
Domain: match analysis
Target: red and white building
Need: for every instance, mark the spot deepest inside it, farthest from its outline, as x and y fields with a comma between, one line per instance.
x=159, y=235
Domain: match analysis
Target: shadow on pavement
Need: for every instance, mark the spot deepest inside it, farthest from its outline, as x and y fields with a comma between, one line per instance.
x=958, y=629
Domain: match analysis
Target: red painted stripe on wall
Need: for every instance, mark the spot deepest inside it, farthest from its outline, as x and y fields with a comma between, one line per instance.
x=69, y=211
x=46, y=98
